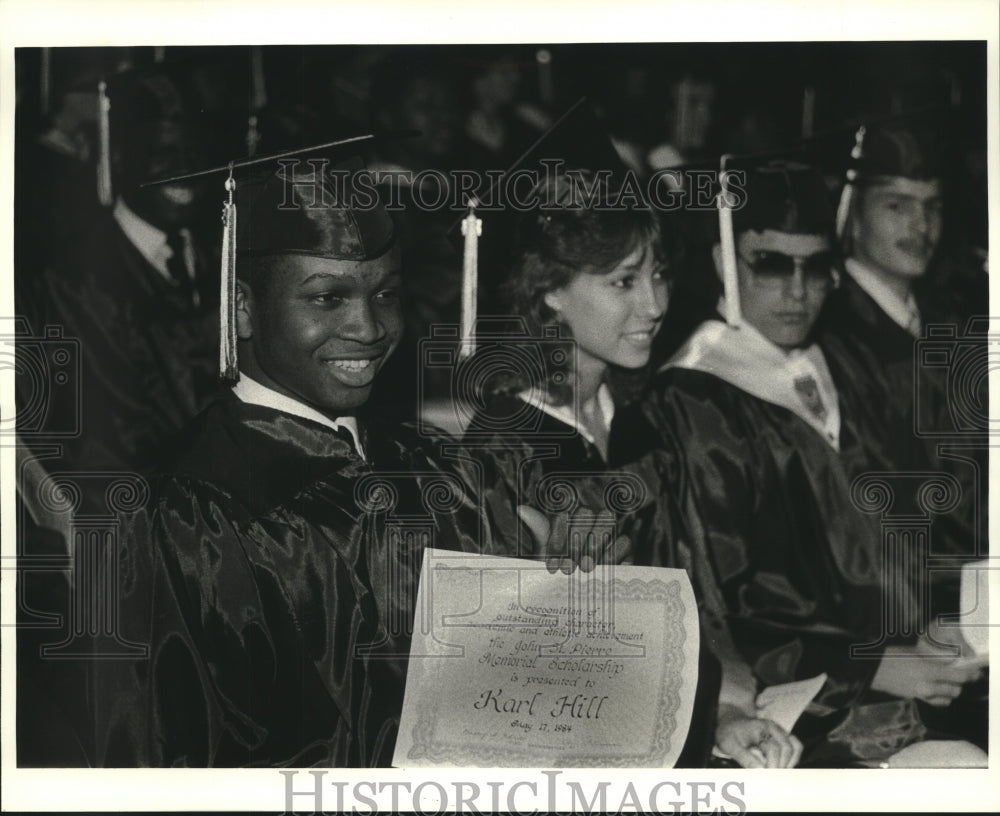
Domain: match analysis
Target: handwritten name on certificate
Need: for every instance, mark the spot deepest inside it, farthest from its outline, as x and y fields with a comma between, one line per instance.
x=511, y=666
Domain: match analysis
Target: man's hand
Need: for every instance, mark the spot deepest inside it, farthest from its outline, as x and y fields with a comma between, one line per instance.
x=753, y=742
x=915, y=671
x=591, y=540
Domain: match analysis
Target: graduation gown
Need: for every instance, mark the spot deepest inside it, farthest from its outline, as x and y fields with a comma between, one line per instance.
x=795, y=562
x=546, y=464
x=149, y=358
x=910, y=407
x=275, y=587
x=140, y=362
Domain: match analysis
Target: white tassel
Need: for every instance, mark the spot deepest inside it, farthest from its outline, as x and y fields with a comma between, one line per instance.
x=472, y=228
x=727, y=243
x=104, y=192
x=228, y=364
x=847, y=194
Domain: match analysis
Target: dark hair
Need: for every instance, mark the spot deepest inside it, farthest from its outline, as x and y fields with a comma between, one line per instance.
x=578, y=227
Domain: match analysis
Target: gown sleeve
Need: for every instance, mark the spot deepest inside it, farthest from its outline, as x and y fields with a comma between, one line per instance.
x=262, y=635
x=777, y=552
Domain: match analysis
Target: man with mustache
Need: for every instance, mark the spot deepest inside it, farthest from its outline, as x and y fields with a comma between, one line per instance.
x=767, y=429
x=893, y=232
x=894, y=222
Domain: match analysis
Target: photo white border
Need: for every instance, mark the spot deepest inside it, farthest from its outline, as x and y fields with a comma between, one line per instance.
x=183, y=22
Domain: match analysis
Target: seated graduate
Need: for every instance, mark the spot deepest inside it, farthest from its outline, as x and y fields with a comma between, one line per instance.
x=266, y=572
x=765, y=424
x=139, y=291
x=275, y=606
x=893, y=223
x=132, y=301
x=549, y=425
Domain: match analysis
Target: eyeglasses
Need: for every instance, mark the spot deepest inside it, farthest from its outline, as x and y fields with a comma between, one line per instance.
x=774, y=269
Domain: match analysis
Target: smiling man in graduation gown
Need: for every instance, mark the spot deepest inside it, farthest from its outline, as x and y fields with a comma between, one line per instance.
x=765, y=425
x=276, y=601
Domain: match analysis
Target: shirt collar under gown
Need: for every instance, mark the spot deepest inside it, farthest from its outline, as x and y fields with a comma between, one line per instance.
x=253, y=392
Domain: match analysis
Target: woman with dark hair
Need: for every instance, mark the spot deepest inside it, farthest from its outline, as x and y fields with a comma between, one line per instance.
x=590, y=284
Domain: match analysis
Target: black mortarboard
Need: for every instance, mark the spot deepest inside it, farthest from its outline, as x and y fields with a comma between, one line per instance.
x=300, y=202
x=786, y=196
x=774, y=194
x=892, y=149
x=310, y=205
x=130, y=103
x=576, y=141
x=910, y=152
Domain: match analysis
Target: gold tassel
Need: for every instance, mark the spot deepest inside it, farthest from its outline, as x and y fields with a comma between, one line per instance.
x=844, y=207
x=104, y=192
x=727, y=243
x=472, y=228
x=228, y=365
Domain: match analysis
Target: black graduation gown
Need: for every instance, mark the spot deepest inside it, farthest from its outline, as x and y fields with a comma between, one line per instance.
x=882, y=364
x=276, y=603
x=147, y=364
x=149, y=359
x=543, y=464
x=795, y=563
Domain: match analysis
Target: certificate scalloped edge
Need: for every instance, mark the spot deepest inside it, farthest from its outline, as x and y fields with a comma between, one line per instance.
x=426, y=746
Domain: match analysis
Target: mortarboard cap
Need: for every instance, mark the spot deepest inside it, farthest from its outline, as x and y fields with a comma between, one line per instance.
x=132, y=104
x=785, y=196
x=576, y=141
x=300, y=202
x=897, y=147
x=910, y=152
x=310, y=205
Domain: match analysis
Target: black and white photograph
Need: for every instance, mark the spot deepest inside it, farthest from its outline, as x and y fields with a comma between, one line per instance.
x=525, y=409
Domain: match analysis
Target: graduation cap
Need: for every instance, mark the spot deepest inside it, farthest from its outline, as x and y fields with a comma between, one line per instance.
x=298, y=202
x=575, y=141
x=784, y=195
x=890, y=149
x=131, y=102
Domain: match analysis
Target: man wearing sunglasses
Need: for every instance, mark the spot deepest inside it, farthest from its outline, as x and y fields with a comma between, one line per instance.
x=764, y=431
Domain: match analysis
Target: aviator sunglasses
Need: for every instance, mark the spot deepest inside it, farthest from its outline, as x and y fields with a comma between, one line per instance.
x=772, y=268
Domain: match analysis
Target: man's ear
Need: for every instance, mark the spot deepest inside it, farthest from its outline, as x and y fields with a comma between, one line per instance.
x=717, y=260
x=553, y=300
x=244, y=310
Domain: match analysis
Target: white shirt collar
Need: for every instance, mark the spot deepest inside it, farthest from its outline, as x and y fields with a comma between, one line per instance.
x=149, y=240
x=253, y=392
x=566, y=414
x=904, y=313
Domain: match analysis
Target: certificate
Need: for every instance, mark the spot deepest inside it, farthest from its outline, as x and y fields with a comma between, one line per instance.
x=511, y=666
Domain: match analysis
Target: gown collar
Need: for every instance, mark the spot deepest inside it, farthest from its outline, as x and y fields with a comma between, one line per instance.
x=253, y=392
x=746, y=359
